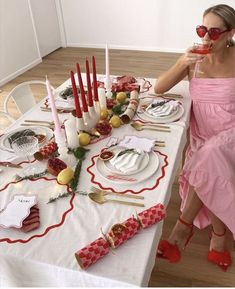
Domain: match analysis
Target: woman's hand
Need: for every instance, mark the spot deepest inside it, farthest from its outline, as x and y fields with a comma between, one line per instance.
x=178, y=71
x=189, y=58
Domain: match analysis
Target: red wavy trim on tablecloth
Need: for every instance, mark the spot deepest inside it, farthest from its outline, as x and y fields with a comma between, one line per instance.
x=8, y=240
x=126, y=191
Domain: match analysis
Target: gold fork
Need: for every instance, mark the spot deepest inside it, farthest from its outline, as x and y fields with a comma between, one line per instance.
x=104, y=193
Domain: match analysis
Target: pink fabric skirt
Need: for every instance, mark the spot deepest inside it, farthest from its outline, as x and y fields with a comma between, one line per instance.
x=210, y=159
x=213, y=179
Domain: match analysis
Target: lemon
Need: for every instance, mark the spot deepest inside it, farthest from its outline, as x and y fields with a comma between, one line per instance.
x=115, y=121
x=84, y=138
x=104, y=113
x=65, y=176
x=121, y=97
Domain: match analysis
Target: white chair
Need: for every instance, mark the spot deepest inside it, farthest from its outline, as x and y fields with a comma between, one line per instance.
x=23, y=95
x=5, y=121
x=6, y=115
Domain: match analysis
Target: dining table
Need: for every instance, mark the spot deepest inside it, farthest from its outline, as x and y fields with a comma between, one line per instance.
x=47, y=255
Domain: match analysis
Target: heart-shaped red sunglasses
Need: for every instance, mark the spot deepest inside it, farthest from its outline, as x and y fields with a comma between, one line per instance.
x=214, y=33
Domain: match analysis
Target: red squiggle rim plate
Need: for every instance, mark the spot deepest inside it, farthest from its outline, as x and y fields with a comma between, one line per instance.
x=128, y=190
x=71, y=206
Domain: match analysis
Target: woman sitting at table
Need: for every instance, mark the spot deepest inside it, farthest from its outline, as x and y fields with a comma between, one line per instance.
x=207, y=182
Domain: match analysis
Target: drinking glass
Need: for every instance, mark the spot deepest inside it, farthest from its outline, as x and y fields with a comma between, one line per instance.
x=26, y=146
x=202, y=49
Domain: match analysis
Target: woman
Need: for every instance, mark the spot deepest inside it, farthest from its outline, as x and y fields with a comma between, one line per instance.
x=207, y=182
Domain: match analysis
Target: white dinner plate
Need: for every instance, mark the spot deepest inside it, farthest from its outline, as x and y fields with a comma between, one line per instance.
x=176, y=115
x=5, y=144
x=147, y=172
x=114, y=170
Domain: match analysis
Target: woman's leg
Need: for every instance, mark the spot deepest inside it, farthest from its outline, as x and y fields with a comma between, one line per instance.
x=218, y=239
x=180, y=232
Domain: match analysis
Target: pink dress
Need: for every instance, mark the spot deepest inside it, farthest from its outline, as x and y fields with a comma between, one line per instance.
x=210, y=159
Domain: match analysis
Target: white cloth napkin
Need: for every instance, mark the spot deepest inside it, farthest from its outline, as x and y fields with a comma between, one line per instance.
x=166, y=109
x=128, y=162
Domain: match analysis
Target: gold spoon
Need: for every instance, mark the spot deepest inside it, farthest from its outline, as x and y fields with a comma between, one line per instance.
x=100, y=199
x=140, y=127
x=104, y=193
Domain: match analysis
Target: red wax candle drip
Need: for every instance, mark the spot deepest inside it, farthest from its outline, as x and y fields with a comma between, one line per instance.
x=75, y=95
x=89, y=92
x=83, y=97
x=95, y=90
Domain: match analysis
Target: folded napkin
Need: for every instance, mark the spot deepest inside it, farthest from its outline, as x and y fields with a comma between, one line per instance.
x=62, y=103
x=129, y=161
x=163, y=108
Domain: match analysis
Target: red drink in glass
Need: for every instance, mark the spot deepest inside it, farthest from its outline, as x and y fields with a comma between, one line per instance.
x=201, y=49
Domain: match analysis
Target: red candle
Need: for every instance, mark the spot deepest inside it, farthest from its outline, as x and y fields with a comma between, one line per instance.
x=84, y=104
x=94, y=79
x=89, y=92
x=75, y=95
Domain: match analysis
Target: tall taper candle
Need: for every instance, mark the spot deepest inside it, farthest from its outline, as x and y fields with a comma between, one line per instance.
x=53, y=107
x=83, y=97
x=107, y=80
x=89, y=91
x=75, y=95
x=94, y=79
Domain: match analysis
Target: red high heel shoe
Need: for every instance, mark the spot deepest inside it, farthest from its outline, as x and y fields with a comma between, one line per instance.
x=222, y=259
x=171, y=252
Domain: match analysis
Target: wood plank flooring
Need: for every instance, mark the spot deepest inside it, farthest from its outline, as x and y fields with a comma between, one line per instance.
x=194, y=270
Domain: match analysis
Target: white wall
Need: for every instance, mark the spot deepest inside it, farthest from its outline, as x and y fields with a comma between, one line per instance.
x=157, y=25
x=18, y=46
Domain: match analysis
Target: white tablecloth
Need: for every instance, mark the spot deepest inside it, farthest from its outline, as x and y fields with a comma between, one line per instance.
x=45, y=257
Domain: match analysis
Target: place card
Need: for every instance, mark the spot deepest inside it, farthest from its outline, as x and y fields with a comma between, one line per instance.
x=17, y=210
x=134, y=142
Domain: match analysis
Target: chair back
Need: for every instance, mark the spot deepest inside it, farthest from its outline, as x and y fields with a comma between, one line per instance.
x=23, y=96
x=5, y=120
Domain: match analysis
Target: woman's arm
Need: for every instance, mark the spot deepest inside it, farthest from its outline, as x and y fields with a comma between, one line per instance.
x=177, y=72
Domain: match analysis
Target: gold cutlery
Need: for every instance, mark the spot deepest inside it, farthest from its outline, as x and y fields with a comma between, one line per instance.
x=104, y=193
x=59, y=109
x=166, y=95
x=140, y=127
x=10, y=165
x=160, y=145
x=100, y=199
x=33, y=124
x=152, y=124
x=39, y=121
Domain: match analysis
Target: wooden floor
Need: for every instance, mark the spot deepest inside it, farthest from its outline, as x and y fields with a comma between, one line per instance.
x=194, y=270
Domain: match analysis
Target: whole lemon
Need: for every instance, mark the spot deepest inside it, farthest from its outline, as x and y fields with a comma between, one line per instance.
x=121, y=96
x=104, y=113
x=84, y=138
x=115, y=121
x=65, y=176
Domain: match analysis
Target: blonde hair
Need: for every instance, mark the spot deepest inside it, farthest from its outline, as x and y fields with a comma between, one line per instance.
x=227, y=14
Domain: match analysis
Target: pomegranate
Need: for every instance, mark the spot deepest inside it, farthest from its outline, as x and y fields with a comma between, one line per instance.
x=103, y=127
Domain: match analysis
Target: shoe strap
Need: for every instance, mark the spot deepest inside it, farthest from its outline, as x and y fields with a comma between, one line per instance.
x=185, y=223
x=219, y=235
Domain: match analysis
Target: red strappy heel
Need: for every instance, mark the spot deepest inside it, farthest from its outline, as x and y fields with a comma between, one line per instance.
x=171, y=252
x=222, y=259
